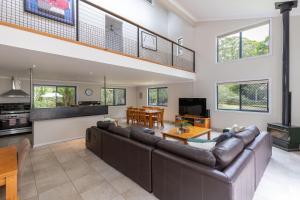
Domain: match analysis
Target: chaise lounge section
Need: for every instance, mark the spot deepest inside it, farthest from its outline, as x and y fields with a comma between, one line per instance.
x=230, y=171
x=129, y=150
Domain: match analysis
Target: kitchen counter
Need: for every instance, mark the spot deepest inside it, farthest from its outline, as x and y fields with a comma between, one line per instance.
x=66, y=112
x=53, y=125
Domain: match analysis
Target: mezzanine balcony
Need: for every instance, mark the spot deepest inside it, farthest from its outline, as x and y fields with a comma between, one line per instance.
x=98, y=28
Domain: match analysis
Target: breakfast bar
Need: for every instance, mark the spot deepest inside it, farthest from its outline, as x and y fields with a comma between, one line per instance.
x=52, y=125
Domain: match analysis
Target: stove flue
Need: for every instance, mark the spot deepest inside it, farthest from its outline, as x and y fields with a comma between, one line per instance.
x=285, y=136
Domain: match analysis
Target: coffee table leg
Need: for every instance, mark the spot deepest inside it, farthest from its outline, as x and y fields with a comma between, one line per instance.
x=208, y=135
x=185, y=142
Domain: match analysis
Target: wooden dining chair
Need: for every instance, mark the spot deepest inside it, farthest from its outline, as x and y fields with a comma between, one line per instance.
x=159, y=117
x=143, y=117
x=135, y=116
x=129, y=115
x=23, y=149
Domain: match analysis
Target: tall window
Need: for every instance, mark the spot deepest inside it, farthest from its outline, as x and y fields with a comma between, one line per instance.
x=179, y=49
x=158, y=96
x=244, y=96
x=114, y=96
x=250, y=42
x=51, y=96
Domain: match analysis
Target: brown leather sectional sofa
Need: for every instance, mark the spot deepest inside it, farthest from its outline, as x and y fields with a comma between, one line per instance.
x=173, y=171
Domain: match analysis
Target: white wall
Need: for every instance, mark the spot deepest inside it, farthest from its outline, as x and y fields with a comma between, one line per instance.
x=140, y=12
x=113, y=111
x=177, y=27
x=175, y=91
x=270, y=67
x=154, y=17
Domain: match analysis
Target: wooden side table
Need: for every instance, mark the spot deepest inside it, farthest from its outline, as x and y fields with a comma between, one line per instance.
x=8, y=171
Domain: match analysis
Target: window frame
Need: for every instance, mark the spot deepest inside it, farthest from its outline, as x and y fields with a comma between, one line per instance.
x=157, y=93
x=114, y=99
x=239, y=31
x=179, y=46
x=240, y=83
x=56, y=86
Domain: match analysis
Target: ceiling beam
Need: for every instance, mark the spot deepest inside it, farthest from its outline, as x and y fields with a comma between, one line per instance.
x=179, y=10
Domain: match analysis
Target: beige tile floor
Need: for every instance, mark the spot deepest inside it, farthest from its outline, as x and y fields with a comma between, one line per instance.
x=68, y=170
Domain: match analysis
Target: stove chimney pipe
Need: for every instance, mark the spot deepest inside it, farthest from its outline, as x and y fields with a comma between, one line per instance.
x=285, y=8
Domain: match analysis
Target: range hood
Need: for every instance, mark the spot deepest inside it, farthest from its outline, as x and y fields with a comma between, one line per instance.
x=16, y=90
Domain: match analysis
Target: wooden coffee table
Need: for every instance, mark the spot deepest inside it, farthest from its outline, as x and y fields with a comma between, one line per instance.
x=193, y=132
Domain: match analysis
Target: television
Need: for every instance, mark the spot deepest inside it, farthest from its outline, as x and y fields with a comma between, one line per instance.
x=192, y=106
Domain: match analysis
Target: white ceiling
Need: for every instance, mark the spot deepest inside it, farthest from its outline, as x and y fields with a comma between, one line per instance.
x=208, y=10
x=16, y=61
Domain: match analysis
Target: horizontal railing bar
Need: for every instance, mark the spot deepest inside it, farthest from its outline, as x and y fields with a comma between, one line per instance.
x=184, y=47
x=131, y=22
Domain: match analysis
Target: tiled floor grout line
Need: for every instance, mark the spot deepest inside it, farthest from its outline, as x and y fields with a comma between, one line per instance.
x=37, y=193
x=66, y=173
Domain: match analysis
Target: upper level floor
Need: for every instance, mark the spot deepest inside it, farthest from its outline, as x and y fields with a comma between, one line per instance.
x=84, y=23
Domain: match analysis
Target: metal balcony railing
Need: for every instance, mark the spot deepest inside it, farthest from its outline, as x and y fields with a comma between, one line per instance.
x=100, y=28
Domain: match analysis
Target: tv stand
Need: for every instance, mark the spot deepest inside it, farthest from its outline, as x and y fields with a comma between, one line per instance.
x=199, y=121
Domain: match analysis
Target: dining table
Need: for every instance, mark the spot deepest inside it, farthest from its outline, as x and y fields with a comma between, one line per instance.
x=9, y=171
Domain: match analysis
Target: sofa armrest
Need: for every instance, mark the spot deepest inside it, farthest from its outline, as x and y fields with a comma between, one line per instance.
x=93, y=140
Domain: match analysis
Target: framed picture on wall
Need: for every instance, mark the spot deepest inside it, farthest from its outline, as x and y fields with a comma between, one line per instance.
x=58, y=10
x=149, y=41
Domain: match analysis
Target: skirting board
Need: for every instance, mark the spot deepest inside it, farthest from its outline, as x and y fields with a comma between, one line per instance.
x=58, y=141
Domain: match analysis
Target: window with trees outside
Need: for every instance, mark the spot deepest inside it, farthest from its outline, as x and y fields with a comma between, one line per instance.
x=114, y=96
x=158, y=96
x=249, y=42
x=51, y=96
x=243, y=96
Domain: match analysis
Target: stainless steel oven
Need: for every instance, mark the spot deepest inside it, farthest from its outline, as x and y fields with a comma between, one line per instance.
x=14, y=118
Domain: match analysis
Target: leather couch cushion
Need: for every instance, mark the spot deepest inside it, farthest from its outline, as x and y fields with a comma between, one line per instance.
x=192, y=153
x=142, y=129
x=226, y=151
x=248, y=135
x=125, y=132
x=144, y=138
x=254, y=129
x=105, y=124
x=224, y=137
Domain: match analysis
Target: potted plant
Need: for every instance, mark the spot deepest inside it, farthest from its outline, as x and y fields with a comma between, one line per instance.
x=183, y=126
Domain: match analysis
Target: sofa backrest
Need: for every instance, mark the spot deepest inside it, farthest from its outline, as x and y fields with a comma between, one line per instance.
x=225, y=152
x=188, y=152
x=145, y=138
x=248, y=135
x=105, y=124
x=125, y=132
x=138, y=128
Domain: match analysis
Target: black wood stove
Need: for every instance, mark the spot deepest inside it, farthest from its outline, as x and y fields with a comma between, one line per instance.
x=285, y=136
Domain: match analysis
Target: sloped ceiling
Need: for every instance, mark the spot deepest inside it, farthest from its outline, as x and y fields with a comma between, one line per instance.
x=210, y=10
